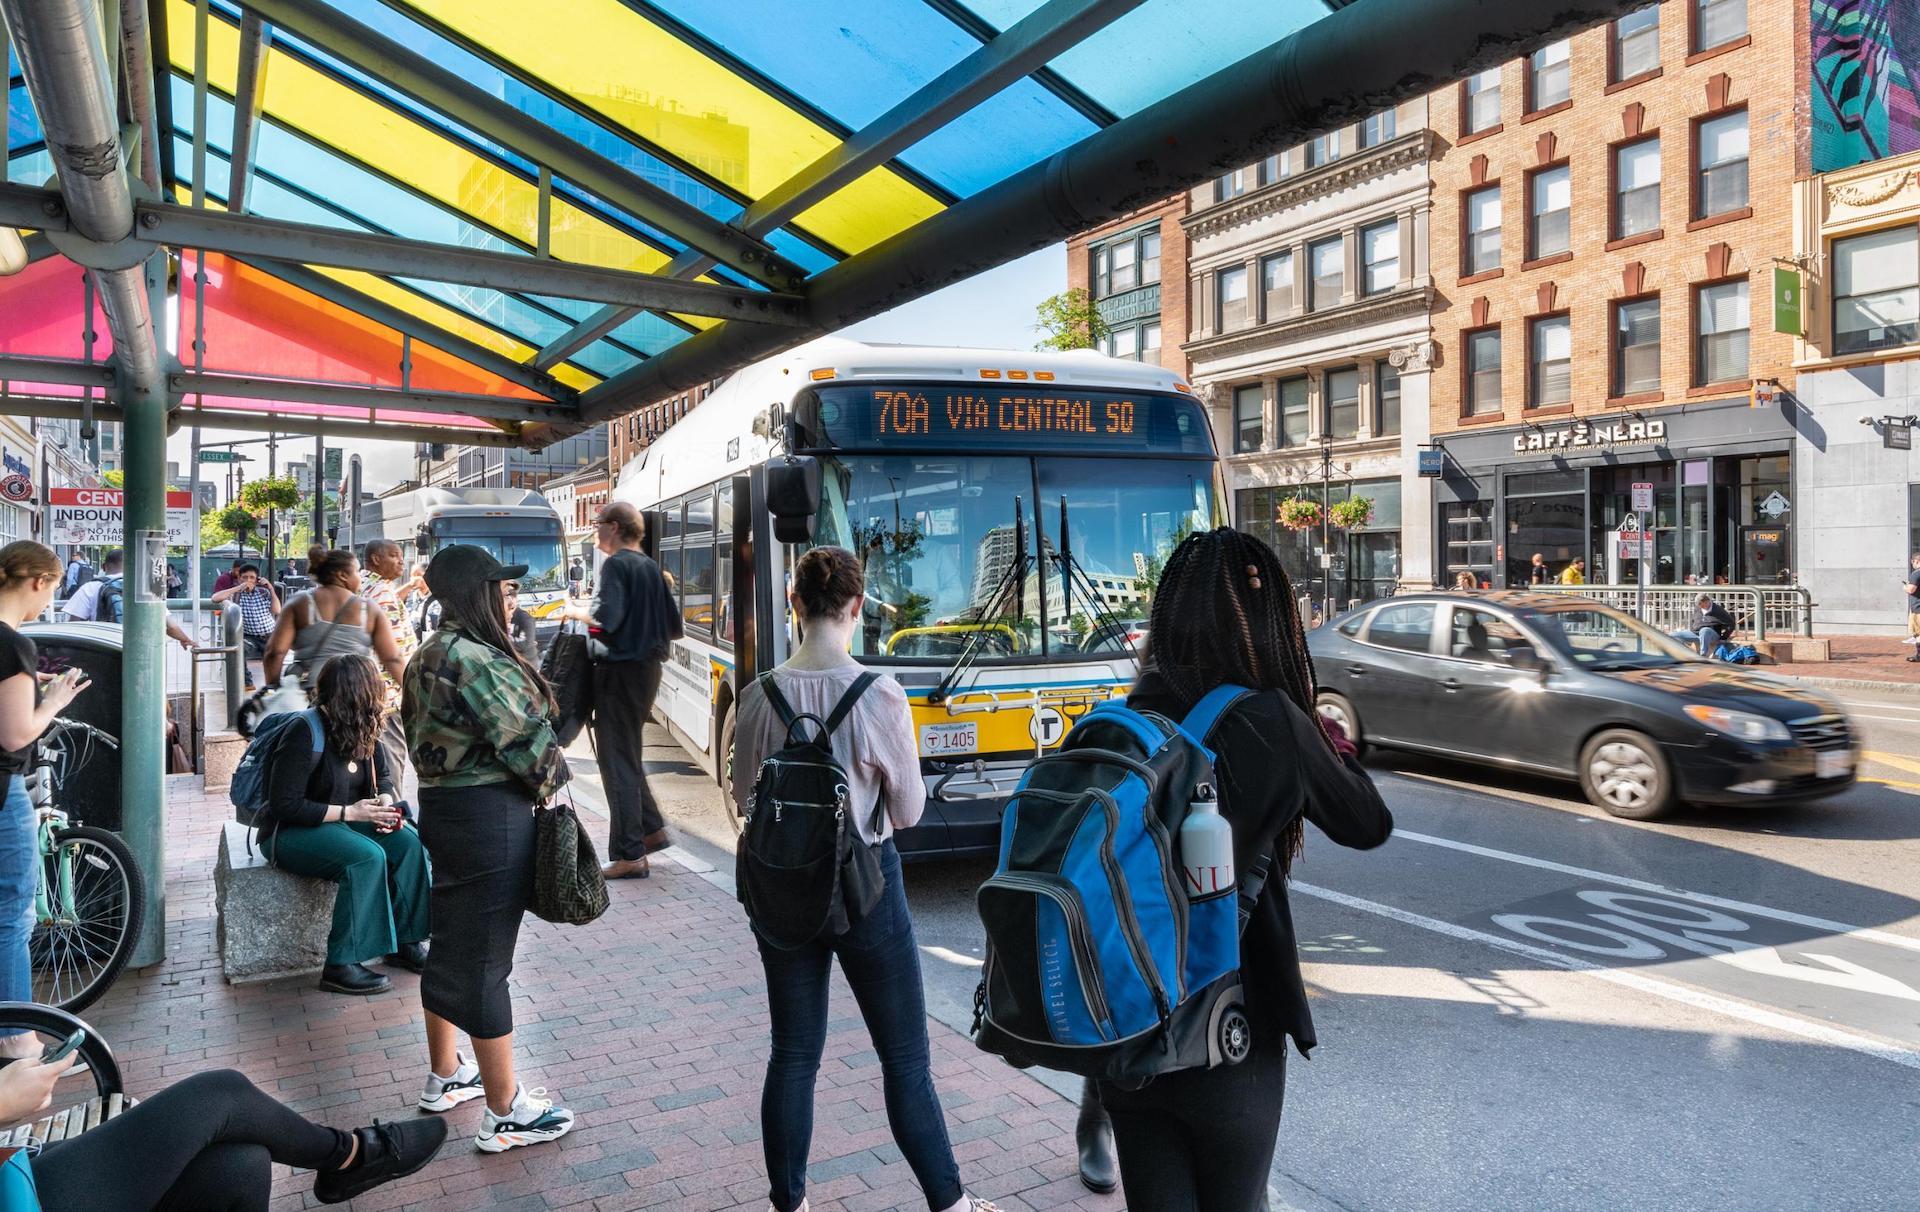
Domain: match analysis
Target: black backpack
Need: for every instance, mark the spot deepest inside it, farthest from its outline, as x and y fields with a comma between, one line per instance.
x=568, y=668
x=801, y=870
x=111, y=605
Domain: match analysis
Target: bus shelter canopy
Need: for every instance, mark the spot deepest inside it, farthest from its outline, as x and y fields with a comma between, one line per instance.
x=511, y=220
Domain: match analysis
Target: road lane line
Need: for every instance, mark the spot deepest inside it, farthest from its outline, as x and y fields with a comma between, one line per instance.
x=1901, y=784
x=1817, y=1032
x=1698, y=898
x=1898, y=719
x=1910, y=765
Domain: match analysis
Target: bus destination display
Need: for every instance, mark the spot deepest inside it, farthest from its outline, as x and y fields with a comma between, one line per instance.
x=1010, y=418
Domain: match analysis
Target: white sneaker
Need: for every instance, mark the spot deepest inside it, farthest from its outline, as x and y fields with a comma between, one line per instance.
x=446, y=1093
x=532, y=1120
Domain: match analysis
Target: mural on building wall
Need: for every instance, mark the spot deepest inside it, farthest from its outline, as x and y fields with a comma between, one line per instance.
x=1866, y=80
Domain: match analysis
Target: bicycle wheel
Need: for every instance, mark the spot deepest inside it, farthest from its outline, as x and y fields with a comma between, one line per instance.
x=79, y=950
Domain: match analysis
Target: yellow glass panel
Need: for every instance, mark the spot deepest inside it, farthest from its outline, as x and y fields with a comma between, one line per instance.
x=613, y=60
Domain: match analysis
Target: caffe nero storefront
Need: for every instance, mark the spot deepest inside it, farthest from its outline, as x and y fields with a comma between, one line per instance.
x=1722, y=497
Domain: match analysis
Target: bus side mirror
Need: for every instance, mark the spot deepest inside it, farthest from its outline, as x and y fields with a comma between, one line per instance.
x=793, y=496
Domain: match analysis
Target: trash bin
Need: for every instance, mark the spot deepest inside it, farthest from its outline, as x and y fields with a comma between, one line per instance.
x=92, y=793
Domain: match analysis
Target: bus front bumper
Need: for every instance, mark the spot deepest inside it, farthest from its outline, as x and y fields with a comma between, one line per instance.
x=963, y=813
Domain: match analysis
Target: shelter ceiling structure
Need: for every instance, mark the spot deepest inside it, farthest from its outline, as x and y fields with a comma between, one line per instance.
x=492, y=222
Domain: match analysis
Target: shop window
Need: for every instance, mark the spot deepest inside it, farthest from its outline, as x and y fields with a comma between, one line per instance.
x=1913, y=518
x=1343, y=404
x=1249, y=419
x=1293, y=412
x=1876, y=290
x=1636, y=44
x=1380, y=253
x=1718, y=22
x=1482, y=101
x=1722, y=321
x=1552, y=210
x=1276, y=286
x=1233, y=298
x=1721, y=187
x=1550, y=76
x=1550, y=350
x=1636, y=347
x=1328, y=259
x=1376, y=129
x=1386, y=399
x=1466, y=536
x=1483, y=372
x=1482, y=253
x=1636, y=188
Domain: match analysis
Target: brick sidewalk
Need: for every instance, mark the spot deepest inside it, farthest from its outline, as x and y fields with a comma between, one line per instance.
x=650, y=1024
x=1865, y=658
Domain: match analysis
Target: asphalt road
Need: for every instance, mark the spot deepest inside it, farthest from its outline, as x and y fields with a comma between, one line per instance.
x=1523, y=1003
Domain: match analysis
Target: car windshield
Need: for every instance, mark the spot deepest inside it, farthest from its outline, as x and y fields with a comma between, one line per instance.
x=1606, y=640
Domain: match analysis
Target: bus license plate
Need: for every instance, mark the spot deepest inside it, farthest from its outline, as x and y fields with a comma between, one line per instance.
x=940, y=740
x=1832, y=765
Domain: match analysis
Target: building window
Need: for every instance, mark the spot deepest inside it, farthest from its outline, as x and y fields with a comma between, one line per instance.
x=1380, y=251
x=1718, y=22
x=1293, y=412
x=1386, y=399
x=1126, y=266
x=1230, y=185
x=1276, y=286
x=1482, y=101
x=1343, y=403
x=1124, y=343
x=1636, y=189
x=1249, y=419
x=1722, y=187
x=1550, y=76
x=1636, y=347
x=1551, y=353
x=1123, y=264
x=1149, y=258
x=1377, y=129
x=1323, y=149
x=1552, y=208
x=1273, y=168
x=1483, y=372
x=1328, y=260
x=1233, y=298
x=1150, y=342
x=1098, y=276
x=1723, y=324
x=1482, y=253
x=1876, y=291
x=1636, y=44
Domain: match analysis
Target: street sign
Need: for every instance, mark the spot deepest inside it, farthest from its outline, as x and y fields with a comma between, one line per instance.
x=1786, y=301
x=220, y=456
x=1896, y=437
x=333, y=465
x=1433, y=463
x=1643, y=498
x=16, y=487
x=90, y=516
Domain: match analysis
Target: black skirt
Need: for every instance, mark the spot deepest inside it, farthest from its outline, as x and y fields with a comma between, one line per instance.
x=481, y=840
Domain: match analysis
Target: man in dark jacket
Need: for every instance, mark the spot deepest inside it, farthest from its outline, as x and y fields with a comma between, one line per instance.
x=1711, y=624
x=634, y=615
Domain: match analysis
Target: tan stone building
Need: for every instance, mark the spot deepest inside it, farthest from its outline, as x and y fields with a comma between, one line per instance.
x=1607, y=215
x=1135, y=269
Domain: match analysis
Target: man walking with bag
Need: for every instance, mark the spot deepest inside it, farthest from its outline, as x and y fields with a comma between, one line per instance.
x=633, y=614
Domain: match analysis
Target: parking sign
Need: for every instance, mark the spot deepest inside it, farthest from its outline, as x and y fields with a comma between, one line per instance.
x=1642, y=498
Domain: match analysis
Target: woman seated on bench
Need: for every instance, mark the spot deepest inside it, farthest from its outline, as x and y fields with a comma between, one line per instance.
x=205, y=1144
x=333, y=815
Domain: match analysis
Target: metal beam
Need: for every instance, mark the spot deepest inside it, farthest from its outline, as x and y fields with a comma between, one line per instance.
x=55, y=370
x=1021, y=50
x=69, y=75
x=249, y=87
x=345, y=428
x=244, y=387
x=493, y=118
x=312, y=244
x=136, y=65
x=1330, y=73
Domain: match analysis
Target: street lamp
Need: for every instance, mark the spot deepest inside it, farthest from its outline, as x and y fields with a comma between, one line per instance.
x=1326, y=521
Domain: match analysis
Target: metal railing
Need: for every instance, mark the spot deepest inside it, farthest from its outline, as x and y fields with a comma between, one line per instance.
x=1756, y=609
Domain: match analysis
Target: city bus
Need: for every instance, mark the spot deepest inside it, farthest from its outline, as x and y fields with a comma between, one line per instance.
x=1012, y=511
x=516, y=525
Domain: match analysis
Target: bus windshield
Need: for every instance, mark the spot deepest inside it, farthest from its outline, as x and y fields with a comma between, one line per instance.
x=937, y=535
x=534, y=542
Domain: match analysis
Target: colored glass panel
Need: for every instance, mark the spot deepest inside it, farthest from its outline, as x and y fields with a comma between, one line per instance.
x=40, y=317
x=684, y=103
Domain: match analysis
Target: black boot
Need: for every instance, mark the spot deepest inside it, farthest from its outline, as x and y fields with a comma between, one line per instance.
x=411, y=956
x=387, y=1152
x=1093, y=1133
x=353, y=978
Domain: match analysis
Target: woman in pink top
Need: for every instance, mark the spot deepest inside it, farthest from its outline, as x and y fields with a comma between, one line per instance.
x=879, y=955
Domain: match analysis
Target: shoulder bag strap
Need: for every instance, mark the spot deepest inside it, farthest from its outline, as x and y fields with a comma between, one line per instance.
x=1210, y=710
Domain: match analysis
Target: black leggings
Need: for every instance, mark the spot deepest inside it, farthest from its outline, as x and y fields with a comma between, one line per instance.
x=201, y=1145
x=1200, y=1140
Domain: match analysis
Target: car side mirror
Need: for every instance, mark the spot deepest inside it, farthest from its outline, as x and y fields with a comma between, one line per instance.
x=793, y=496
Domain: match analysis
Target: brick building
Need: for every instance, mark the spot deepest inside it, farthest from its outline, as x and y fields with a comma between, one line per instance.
x=1135, y=269
x=629, y=435
x=1606, y=218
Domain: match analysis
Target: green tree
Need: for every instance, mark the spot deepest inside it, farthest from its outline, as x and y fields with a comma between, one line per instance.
x=1070, y=320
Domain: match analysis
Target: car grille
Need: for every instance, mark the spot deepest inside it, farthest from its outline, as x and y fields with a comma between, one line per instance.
x=1822, y=732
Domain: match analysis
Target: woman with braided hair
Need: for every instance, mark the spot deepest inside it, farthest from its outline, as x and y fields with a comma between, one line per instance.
x=1202, y=1140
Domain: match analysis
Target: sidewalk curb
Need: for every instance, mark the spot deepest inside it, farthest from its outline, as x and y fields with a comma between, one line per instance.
x=1911, y=689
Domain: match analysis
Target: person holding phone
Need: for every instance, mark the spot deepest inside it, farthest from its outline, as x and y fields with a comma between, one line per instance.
x=29, y=700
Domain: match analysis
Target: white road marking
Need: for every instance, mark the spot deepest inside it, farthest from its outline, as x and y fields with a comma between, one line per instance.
x=1818, y=1032
x=1698, y=898
x=1898, y=719
x=952, y=957
x=1879, y=706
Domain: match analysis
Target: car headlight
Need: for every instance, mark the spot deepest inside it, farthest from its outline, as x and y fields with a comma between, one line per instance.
x=1741, y=725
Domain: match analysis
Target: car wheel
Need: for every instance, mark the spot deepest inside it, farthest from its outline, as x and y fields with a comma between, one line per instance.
x=1339, y=709
x=1625, y=773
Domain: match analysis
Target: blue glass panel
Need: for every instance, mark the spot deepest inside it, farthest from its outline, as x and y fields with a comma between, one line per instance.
x=1165, y=45
x=604, y=359
x=23, y=125
x=31, y=168
x=998, y=138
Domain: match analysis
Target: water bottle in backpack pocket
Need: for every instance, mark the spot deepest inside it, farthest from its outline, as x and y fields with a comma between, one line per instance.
x=1113, y=917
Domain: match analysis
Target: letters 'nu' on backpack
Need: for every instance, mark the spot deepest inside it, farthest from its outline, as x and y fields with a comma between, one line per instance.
x=1098, y=962
x=802, y=870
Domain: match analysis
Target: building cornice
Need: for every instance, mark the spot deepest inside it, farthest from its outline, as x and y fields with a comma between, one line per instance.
x=1411, y=300
x=1415, y=147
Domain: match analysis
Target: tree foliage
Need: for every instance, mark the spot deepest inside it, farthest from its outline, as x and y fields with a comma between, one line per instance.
x=1070, y=320
x=234, y=523
x=281, y=492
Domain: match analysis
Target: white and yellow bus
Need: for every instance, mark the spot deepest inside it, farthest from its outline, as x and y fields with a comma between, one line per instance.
x=1012, y=510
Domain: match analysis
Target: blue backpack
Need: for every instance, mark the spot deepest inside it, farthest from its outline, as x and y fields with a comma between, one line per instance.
x=1737, y=654
x=1098, y=962
x=249, y=788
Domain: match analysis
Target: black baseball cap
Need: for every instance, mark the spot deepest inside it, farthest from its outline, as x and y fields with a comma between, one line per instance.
x=464, y=562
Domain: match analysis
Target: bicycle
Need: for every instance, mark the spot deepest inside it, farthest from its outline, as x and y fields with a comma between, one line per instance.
x=89, y=900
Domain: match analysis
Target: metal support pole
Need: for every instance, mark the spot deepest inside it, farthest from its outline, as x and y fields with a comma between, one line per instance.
x=319, y=489
x=143, y=702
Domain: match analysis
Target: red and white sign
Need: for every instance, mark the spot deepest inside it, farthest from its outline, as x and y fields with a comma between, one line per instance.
x=97, y=516
x=16, y=488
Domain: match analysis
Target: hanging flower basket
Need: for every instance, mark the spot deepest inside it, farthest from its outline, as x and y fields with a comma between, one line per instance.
x=1352, y=513
x=1299, y=513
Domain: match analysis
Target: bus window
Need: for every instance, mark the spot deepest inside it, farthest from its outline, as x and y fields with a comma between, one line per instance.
x=696, y=592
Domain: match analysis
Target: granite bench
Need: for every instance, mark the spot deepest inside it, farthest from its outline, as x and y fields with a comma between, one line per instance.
x=270, y=923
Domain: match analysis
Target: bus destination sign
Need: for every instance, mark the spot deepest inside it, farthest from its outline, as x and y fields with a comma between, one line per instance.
x=908, y=413
x=1025, y=418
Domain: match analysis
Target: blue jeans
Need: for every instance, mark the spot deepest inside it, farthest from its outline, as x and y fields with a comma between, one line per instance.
x=882, y=963
x=19, y=852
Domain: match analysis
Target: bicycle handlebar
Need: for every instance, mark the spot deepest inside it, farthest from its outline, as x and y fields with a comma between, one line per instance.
x=63, y=724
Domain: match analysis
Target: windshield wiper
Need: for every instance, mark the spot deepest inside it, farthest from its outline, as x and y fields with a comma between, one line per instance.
x=1104, y=619
x=1014, y=576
